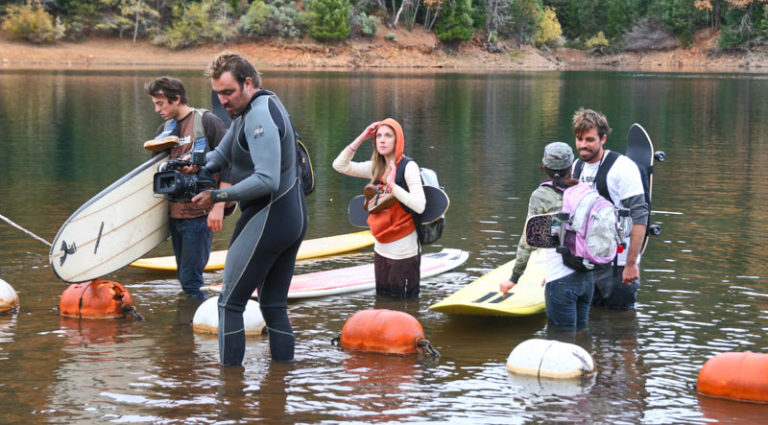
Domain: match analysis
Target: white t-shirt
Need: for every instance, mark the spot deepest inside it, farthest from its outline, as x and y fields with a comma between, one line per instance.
x=623, y=181
x=556, y=268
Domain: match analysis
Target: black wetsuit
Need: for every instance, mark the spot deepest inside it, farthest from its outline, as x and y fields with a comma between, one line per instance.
x=261, y=149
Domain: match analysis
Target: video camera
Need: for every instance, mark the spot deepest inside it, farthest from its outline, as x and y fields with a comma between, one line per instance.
x=178, y=187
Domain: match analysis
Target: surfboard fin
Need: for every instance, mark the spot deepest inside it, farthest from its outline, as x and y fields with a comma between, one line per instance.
x=68, y=250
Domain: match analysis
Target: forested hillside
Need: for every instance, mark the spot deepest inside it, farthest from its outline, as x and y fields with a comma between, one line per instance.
x=602, y=26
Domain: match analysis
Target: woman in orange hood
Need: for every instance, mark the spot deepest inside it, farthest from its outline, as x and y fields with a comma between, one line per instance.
x=396, y=251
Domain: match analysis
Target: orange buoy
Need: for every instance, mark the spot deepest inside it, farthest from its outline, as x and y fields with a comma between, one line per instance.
x=96, y=299
x=739, y=376
x=385, y=331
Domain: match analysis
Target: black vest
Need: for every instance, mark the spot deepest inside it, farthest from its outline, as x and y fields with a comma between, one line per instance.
x=601, y=178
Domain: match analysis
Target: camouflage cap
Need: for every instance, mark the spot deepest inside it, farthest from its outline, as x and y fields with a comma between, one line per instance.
x=557, y=156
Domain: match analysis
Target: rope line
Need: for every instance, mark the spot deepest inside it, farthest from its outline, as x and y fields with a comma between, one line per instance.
x=9, y=221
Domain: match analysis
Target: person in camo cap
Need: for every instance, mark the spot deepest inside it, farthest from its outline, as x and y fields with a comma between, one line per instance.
x=568, y=293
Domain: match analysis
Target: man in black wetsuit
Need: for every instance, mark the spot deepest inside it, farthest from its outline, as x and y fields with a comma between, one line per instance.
x=260, y=147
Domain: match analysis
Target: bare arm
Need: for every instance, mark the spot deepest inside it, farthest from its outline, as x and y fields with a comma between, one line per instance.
x=631, y=269
x=216, y=216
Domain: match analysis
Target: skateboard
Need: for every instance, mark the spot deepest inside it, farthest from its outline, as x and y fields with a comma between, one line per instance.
x=543, y=231
x=640, y=150
x=436, y=207
x=161, y=144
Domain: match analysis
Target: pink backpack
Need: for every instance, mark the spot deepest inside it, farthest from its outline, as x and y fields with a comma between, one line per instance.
x=591, y=228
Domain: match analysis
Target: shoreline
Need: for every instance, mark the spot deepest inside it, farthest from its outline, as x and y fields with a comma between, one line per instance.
x=415, y=51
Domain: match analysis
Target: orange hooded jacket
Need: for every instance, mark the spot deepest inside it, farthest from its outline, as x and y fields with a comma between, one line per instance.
x=392, y=223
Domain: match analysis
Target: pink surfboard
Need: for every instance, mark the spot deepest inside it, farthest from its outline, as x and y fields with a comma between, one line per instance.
x=360, y=278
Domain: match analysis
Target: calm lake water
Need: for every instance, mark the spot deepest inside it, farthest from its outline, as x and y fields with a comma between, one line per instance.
x=67, y=135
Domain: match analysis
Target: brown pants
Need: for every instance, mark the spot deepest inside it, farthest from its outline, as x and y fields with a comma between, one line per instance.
x=397, y=278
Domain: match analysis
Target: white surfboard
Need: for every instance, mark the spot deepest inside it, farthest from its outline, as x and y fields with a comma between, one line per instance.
x=114, y=228
x=360, y=278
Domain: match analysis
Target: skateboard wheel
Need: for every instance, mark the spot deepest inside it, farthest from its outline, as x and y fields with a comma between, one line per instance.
x=654, y=229
x=659, y=156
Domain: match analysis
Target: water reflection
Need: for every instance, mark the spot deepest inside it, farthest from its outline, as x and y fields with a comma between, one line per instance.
x=7, y=325
x=380, y=388
x=703, y=289
x=619, y=363
x=102, y=360
x=732, y=412
x=82, y=333
x=558, y=387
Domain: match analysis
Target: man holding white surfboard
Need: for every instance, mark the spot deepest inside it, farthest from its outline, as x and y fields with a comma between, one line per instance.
x=190, y=130
x=260, y=147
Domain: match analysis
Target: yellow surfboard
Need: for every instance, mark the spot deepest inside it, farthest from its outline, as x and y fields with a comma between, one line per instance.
x=482, y=297
x=311, y=248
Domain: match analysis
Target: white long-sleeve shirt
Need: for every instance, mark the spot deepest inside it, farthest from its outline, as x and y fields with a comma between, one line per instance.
x=413, y=198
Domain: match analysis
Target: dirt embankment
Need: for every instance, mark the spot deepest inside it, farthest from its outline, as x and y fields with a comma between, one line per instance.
x=412, y=50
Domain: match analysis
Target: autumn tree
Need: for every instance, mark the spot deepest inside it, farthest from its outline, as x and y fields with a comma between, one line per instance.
x=743, y=20
x=548, y=29
x=431, y=11
x=713, y=8
x=32, y=23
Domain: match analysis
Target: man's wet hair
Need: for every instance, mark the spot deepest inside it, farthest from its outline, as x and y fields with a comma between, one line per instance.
x=236, y=64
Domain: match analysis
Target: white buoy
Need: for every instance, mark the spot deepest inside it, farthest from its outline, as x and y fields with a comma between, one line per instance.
x=8, y=297
x=206, y=319
x=550, y=359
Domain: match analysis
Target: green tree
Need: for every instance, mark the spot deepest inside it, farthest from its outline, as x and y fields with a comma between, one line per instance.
x=681, y=17
x=592, y=15
x=253, y=22
x=285, y=20
x=197, y=23
x=455, y=23
x=617, y=18
x=79, y=16
x=328, y=19
x=525, y=16
x=363, y=23
x=763, y=24
x=121, y=15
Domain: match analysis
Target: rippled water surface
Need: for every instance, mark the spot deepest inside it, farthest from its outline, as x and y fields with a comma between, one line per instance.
x=67, y=135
